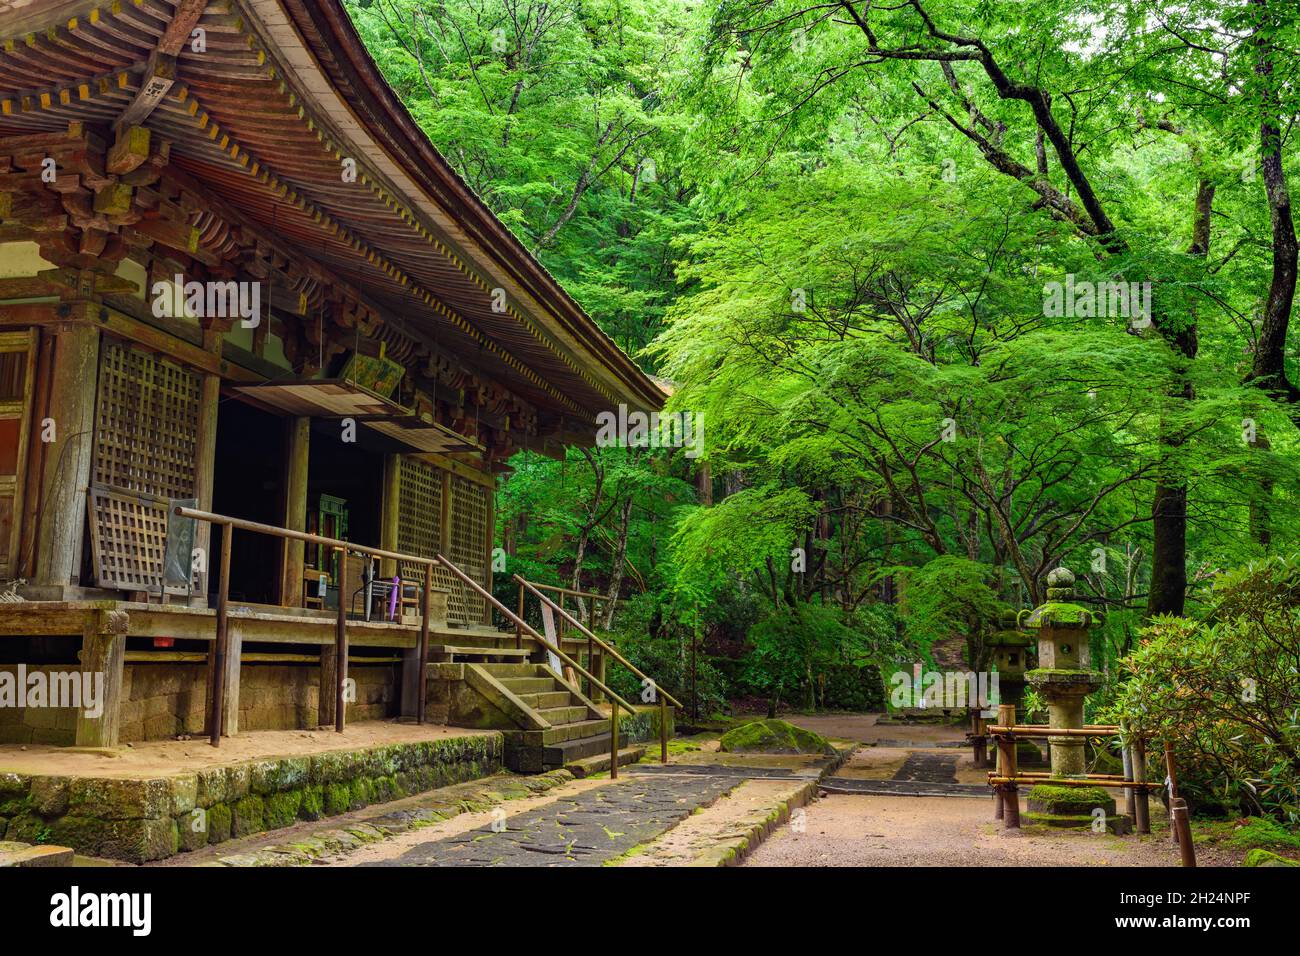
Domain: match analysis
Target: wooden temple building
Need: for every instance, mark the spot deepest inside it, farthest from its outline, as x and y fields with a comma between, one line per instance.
x=235, y=275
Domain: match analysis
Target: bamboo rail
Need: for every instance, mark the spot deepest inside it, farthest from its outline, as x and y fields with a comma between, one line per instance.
x=1136, y=787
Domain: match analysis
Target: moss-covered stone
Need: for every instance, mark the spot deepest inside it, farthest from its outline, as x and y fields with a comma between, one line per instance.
x=363, y=794
x=185, y=793
x=281, y=809
x=1069, y=801
x=147, y=819
x=773, y=737
x=49, y=795
x=249, y=815
x=112, y=799
x=338, y=796
x=313, y=802
x=1118, y=825
x=192, y=830
x=1060, y=614
x=14, y=785
x=1261, y=857
x=220, y=821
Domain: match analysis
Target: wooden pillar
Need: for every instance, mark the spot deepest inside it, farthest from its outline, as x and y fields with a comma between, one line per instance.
x=444, y=534
x=390, y=514
x=295, y=511
x=1007, y=760
x=491, y=534
x=103, y=651
x=1142, y=796
x=230, y=686
x=328, y=679
x=410, y=678
x=34, y=482
x=68, y=459
x=205, y=457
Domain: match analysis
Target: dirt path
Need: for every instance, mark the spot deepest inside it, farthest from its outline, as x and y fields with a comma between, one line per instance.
x=844, y=830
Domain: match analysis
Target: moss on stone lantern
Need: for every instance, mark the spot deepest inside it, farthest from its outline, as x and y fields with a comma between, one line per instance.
x=1064, y=676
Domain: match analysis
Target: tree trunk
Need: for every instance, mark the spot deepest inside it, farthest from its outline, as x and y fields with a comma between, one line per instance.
x=620, y=559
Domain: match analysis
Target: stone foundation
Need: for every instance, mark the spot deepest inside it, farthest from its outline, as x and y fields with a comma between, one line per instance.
x=161, y=701
x=140, y=820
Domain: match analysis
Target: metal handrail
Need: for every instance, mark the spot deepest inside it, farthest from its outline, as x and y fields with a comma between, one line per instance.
x=592, y=636
x=220, y=650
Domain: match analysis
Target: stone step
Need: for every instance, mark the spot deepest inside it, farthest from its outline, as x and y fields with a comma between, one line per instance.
x=13, y=853
x=564, y=752
x=452, y=652
x=575, y=730
x=528, y=685
x=562, y=715
x=501, y=671
x=598, y=763
x=551, y=698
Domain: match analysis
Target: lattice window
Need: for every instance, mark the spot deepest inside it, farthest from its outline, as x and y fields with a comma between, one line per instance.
x=469, y=538
x=146, y=441
x=419, y=530
x=129, y=535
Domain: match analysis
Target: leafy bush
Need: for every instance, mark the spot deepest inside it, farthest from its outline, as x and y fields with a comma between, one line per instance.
x=660, y=647
x=1225, y=690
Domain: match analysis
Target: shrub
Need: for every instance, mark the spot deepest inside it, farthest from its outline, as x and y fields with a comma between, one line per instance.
x=1225, y=690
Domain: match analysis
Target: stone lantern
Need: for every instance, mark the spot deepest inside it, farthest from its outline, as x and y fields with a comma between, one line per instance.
x=1010, y=656
x=1009, y=650
x=1064, y=676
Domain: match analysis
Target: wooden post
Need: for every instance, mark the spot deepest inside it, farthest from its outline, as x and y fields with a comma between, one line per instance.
x=230, y=690
x=1126, y=754
x=1007, y=757
x=68, y=458
x=426, y=600
x=444, y=539
x=613, y=740
x=663, y=727
x=217, y=653
x=295, y=512
x=327, y=690
x=341, y=644
x=390, y=516
x=519, y=631
x=1178, y=821
x=34, y=480
x=103, y=651
x=205, y=458
x=1173, y=792
x=1142, y=806
x=491, y=521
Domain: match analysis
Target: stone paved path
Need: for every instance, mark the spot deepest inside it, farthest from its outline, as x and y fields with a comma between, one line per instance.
x=928, y=768
x=582, y=829
x=914, y=788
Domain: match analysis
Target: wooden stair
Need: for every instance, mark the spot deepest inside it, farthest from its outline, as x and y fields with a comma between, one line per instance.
x=551, y=723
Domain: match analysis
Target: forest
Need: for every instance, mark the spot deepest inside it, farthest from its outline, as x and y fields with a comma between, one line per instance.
x=955, y=292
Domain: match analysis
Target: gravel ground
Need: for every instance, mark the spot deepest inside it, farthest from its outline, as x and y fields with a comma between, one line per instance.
x=844, y=830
